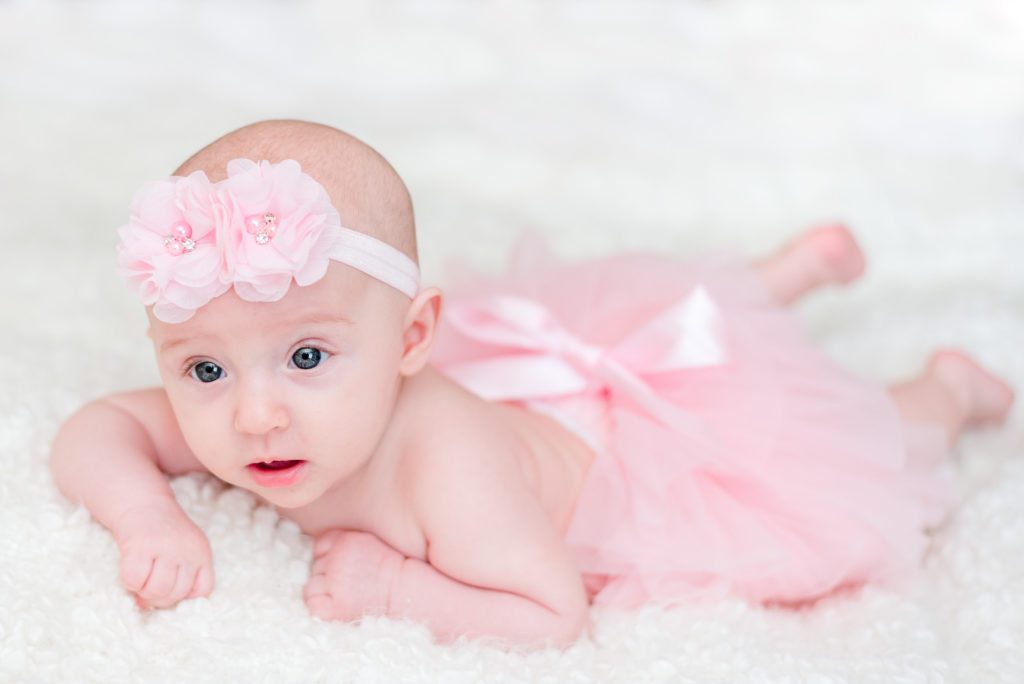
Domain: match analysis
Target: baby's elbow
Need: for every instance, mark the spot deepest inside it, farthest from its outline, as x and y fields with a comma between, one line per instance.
x=572, y=623
x=66, y=440
x=573, y=626
x=554, y=627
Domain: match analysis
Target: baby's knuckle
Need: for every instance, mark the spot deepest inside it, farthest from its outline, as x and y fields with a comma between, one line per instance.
x=186, y=578
x=135, y=568
x=200, y=552
x=149, y=596
x=151, y=590
x=320, y=606
x=131, y=579
x=205, y=579
x=193, y=558
x=160, y=584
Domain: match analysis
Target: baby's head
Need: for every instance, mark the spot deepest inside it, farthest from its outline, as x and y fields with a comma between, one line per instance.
x=313, y=375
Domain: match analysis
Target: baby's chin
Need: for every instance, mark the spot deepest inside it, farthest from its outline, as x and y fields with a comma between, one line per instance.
x=300, y=493
x=285, y=500
x=289, y=498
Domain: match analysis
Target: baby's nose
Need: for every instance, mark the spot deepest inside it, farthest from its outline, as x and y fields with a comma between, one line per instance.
x=259, y=410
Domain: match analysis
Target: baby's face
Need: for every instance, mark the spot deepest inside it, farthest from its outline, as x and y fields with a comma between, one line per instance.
x=311, y=377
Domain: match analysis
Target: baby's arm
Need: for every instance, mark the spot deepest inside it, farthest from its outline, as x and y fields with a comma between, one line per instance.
x=496, y=565
x=113, y=456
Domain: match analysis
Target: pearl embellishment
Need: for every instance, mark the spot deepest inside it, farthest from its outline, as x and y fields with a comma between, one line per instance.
x=263, y=227
x=180, y=239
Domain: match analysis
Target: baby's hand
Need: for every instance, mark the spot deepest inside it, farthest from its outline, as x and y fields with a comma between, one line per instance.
x=165, y=557
x=352, y=575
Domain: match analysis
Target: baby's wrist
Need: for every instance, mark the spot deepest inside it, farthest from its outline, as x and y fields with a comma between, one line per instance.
x=142, y=517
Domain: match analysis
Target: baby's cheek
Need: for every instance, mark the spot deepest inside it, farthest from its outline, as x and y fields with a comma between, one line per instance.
x=346, y=428
x=206, y=437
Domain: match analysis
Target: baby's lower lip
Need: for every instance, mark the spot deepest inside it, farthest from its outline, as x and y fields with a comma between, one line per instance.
x=276, y=473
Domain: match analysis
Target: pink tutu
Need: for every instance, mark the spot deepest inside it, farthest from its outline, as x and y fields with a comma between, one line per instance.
x=732, y=456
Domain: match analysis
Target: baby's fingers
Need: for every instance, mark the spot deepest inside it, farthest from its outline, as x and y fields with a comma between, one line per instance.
x=184, y=579
x=135, y=570
x=317, y=597
x=325, y=542
x=204, y=582
x=183, y=584
x=161, y=581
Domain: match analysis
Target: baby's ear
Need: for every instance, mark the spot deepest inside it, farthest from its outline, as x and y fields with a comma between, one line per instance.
x=418, y=330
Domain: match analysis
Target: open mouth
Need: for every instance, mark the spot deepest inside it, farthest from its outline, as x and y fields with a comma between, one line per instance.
x=276, y=473
x=274, y=465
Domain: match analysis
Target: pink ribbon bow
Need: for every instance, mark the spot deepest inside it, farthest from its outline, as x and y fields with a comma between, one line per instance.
x=540, y=358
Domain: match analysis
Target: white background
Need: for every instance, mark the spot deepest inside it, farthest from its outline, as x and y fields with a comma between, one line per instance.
x=604, y=125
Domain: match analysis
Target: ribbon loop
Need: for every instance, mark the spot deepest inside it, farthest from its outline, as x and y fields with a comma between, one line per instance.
x=535, y=356
x=576, y=351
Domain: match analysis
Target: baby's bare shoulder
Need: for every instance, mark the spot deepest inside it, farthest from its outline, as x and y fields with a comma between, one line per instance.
x=151, y=409
x=481, y=522
x=459, y=441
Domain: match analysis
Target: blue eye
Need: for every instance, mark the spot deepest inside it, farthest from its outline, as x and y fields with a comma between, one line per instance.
x=206, y=371
x=307, y=358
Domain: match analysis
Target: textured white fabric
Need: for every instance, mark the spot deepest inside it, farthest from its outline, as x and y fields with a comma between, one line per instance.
x=676, y=126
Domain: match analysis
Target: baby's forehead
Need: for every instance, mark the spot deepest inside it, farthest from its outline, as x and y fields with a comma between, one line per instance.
x=343, y=297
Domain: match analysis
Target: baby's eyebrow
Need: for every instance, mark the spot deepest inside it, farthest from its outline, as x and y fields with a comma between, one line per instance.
x=171, y=344
x=318, y=318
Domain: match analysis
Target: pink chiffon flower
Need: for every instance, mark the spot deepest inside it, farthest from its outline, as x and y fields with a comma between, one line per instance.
x=169, y=251
x=263, y=256
x=189, y=240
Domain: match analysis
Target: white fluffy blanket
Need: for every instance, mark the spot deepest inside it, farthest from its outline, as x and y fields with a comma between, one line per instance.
x=677, y=126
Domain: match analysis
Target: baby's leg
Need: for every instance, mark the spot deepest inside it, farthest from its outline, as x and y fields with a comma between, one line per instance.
x=955, y=392
x=818, y=257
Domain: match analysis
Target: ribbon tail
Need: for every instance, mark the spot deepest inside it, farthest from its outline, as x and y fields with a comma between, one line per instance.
x=517, y=377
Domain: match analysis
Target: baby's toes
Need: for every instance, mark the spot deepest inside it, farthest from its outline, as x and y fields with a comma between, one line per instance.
x=839, y=258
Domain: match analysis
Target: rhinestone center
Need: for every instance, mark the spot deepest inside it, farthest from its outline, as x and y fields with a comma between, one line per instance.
x=262, y=227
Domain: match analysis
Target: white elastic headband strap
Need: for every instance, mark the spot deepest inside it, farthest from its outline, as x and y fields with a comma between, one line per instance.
x=377, y=259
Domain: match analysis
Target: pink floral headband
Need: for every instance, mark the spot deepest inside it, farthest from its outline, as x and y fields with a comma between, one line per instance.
x=189, y=240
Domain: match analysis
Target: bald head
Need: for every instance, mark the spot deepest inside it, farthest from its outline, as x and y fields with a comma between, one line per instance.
x=363, y=187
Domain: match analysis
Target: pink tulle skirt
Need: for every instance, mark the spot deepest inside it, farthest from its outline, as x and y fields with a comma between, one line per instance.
x=772, y=474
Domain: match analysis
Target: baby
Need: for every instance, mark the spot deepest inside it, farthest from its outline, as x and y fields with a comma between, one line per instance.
x=617, y=431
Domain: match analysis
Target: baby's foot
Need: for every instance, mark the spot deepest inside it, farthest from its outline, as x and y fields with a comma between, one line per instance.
x=831, y=253
x=984, y=398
